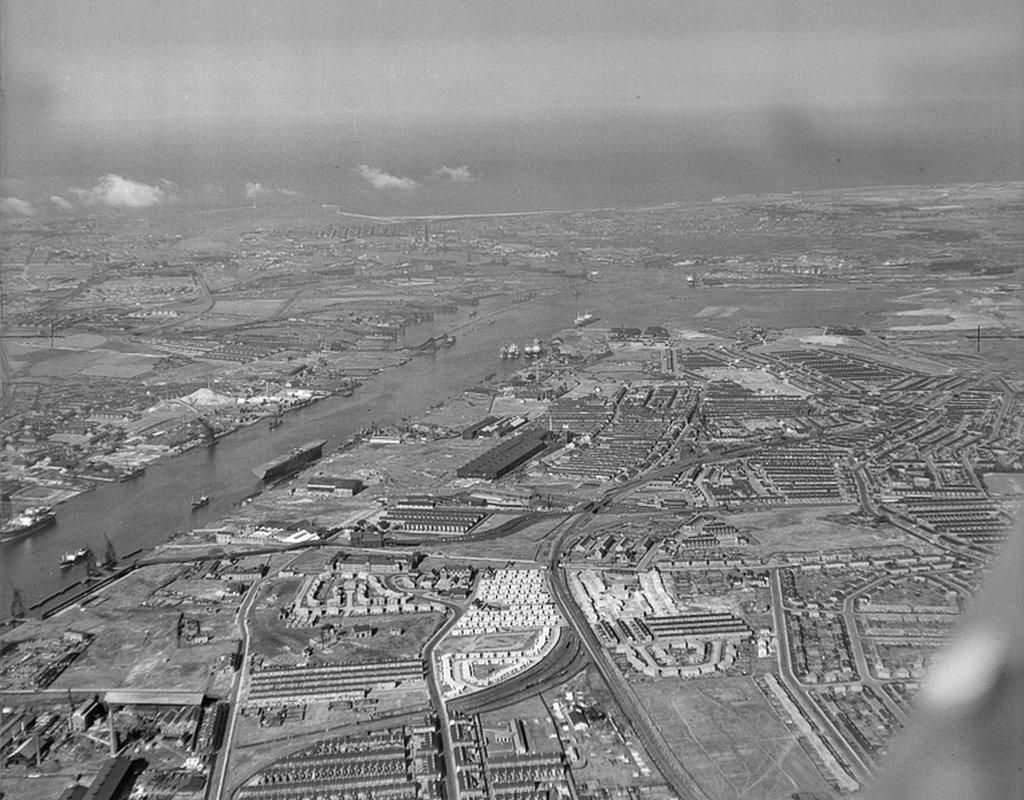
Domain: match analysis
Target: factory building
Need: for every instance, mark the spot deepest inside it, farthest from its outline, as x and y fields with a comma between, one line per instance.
x=505, y=457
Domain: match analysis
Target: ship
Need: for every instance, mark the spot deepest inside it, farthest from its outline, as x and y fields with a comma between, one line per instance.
x=533, y=350
x=275, y=423
x=72, y=557
x=28, y=521
x=283, y=466
x=204, y=500
x=510, y=351
x=691, y=280
x=584, y=319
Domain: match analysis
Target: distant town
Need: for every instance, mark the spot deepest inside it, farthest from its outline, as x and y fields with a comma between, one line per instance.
x=638, y=504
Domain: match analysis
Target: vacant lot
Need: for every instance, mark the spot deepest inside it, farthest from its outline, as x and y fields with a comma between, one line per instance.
x=728, y=737
x=831, y=528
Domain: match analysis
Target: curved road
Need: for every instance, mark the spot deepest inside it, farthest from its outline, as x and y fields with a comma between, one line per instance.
x=564, y=660
x=437, y=696
x=861, y=771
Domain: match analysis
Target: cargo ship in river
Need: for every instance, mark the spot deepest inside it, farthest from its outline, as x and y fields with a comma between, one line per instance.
x=28, y=521
x=283, y=466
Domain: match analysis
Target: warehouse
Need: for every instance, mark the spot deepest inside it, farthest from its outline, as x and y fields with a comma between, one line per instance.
x=504, y=458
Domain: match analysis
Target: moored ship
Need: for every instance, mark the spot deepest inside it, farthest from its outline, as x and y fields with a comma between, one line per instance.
x=283, y=466
x=28, y=521
x=71, y=557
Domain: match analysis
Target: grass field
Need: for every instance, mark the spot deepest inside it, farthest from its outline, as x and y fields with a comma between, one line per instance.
x=729, y=738
x=831, y=528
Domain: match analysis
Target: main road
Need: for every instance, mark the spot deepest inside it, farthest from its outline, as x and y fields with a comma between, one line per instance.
x=867, y=503
x=451, y=779
x=682, y=783
x=857, y=648
x=221, y=766
x=861, y=770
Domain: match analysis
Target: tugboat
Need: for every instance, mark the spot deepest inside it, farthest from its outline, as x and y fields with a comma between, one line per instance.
x=72, y=557
x=203, y=500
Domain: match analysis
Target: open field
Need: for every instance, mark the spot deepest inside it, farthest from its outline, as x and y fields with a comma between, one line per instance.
x=753, y=379
x=1005, y=483
x=831, y=528
x=728, y=737
x=138, y=646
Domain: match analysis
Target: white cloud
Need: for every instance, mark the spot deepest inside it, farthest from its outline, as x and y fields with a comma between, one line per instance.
x=455, y=174
x=257, y=191
x=379, y=179
x=12, y=205
x=61, y=203
x=117, y=192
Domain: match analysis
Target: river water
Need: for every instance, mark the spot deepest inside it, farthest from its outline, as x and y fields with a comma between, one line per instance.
x=145, y=512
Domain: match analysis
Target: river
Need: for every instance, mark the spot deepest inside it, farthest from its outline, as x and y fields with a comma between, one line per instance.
x=145, y=512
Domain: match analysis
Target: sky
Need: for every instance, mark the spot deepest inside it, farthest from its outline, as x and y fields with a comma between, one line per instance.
x=401, y=105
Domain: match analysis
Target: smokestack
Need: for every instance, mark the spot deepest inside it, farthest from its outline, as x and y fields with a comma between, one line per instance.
x=113, y=732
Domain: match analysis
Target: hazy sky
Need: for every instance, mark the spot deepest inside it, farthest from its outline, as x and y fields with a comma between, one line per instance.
x=800, y=93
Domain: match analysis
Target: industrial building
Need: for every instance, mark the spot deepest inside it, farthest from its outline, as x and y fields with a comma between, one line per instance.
x=333, y=484
x=113, y=777
x=505, y=457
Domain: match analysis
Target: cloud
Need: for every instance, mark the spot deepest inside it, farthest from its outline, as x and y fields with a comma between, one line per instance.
x=379, y=179
x=61, y=203
x=12, y=205
x=117, y=192
x=257, y=191
x=455, y=174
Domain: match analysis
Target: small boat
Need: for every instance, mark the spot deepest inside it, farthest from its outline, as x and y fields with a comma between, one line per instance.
x=72, y=557
x=204, y=500
x=275, y=423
